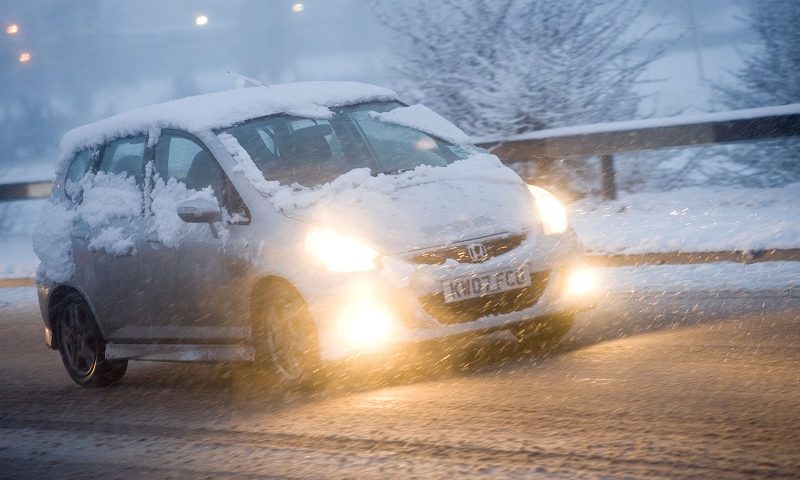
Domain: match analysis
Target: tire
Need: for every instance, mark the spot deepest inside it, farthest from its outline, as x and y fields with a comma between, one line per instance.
x=286, y=339
x=82, y=346
x=544, y=334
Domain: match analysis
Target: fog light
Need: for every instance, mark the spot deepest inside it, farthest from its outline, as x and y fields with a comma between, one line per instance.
x=366, y=324
x=581, y=281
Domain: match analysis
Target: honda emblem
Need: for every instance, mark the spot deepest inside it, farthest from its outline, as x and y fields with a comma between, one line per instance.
x=477, y=252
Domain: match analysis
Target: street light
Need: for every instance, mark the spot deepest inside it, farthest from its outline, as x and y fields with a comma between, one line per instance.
x=12, y=29
x=298, y=7
x=201, y=20
x=24, y=57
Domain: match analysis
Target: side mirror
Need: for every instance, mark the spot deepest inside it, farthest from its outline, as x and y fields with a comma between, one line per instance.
x=199, y=211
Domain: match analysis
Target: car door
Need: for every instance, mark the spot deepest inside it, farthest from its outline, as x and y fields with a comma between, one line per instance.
x=191, y=270
x=107, y=237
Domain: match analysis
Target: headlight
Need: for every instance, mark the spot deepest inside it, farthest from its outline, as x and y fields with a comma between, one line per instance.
x=366, y=324
x=581, y=281
x=552, y=213
x=339, y=253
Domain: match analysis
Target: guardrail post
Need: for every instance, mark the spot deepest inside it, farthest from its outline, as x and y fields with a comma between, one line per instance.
x=608, y=175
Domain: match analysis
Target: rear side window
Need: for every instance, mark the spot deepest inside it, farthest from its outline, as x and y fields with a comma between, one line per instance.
x=124, y=156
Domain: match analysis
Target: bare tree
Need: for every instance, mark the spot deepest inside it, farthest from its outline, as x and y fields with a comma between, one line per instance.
x=770, y=76
x=512, y=66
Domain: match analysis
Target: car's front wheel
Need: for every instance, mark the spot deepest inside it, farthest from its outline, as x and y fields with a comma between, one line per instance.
x=545, y=333
x=286, y=338
x=82, y=346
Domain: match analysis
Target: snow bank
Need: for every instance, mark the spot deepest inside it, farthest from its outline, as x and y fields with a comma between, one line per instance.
x=426, y=120
x=222, y=109
x=692, y=220
x=717, y=277
x=17, y=259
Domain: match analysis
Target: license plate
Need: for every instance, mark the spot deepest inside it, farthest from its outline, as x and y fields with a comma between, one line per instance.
x=474, y=286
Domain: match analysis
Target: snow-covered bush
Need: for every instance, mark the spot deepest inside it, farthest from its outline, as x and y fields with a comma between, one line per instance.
x=770, y=76
x=512, y=66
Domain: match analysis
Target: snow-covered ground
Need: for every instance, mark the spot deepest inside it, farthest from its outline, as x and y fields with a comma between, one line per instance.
x=17, y=220
x=694, y=219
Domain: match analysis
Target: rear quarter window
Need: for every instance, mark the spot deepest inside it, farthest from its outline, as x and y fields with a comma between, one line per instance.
x=81, y=163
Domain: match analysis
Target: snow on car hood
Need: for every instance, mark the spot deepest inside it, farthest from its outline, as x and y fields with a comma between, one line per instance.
x=425, y=207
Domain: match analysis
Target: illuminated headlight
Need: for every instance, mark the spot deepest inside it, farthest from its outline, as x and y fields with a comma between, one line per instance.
x=581, y=281
x=552, y=213
x=366, y=324
x=340, y=253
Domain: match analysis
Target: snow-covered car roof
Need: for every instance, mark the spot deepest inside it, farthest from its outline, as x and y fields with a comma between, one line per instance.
x=222, y=109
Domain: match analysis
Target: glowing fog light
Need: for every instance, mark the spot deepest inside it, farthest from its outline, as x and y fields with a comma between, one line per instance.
x=552, y=213
x=340, y=253
x=581, y=281
x=366, y=324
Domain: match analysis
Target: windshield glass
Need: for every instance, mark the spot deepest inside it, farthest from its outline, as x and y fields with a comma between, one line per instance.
x=312, y=151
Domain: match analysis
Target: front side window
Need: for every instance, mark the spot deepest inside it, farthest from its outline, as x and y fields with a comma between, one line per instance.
x=188, y=162
x=126, y=157
x=179, y=157
x=311, y=152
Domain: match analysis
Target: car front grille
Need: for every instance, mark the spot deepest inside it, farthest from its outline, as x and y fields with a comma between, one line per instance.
x=494, y=304
x=494, y=248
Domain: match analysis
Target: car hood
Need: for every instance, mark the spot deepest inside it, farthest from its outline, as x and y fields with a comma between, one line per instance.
x=428, y=213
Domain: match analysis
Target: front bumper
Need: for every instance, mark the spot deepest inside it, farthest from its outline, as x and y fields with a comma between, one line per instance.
x=388, y=305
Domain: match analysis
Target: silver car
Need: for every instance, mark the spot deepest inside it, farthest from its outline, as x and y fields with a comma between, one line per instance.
x=294, y=225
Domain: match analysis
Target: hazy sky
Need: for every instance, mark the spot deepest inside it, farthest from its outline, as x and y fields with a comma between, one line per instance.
x=94, y=58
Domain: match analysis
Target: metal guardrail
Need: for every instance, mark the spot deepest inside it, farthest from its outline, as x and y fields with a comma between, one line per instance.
x=24, y=191
x=658, y=133
x=607, y=139
x=16, y=282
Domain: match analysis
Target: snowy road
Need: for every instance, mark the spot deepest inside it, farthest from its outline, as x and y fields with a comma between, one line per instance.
x=698, y=385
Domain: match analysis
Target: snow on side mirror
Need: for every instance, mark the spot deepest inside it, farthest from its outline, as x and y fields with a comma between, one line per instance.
x=199, y=210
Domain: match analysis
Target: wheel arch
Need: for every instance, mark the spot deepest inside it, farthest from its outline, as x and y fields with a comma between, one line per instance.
x=56, y=301
x=261, y=288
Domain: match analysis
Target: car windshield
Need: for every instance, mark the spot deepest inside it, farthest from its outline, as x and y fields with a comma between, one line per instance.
x=314, y=151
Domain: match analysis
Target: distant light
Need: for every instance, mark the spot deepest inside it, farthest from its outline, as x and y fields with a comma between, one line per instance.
x=201, y=20
x=12, y=29
x=298, y=7
x=24, y=57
